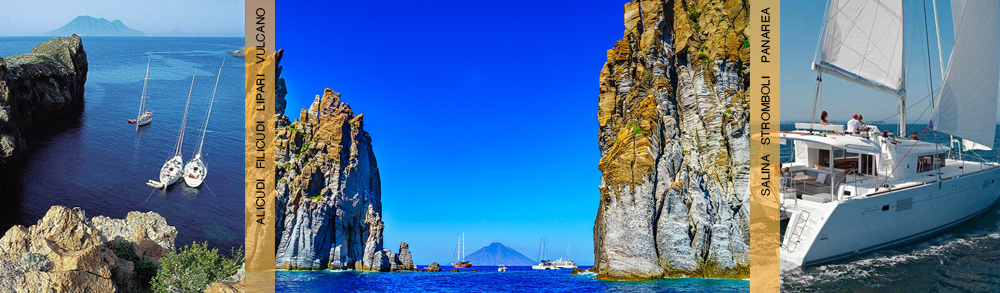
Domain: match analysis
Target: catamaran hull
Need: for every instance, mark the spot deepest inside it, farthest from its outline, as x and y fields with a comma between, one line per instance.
x=894, y=218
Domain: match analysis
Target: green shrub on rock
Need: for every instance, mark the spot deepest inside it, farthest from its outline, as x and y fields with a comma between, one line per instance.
x=144, y=268
x=192, y=268
x=31, y=261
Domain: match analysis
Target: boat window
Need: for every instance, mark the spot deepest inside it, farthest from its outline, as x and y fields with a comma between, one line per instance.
x=930, y=162
x=824, y=158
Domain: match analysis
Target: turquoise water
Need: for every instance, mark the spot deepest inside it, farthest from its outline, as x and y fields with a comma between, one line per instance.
x=101, y=163
x=515, y=279
x=963, y=259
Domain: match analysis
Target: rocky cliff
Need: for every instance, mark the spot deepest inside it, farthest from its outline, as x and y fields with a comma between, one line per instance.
x=66, y=252
x=328, y=193
x=39, y=91
x=672, y=116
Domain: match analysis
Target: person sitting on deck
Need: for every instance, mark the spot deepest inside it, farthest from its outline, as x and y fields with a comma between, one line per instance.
x=854, y=125
x=822, y=118
x=914, y=136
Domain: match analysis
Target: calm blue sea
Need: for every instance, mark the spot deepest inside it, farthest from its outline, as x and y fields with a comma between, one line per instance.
x=515, y=279
x=102, y=163
x=963, y=259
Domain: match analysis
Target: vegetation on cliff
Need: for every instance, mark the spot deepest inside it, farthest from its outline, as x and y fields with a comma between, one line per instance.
x=672, y=114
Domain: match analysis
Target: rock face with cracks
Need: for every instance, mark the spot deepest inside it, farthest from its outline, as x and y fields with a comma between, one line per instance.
x=66, y=252
x=328, y=193
x=673, y=118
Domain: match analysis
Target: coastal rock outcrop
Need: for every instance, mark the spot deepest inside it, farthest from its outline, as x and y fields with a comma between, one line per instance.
x=328, y=193
x=40, y=90
x=434, y=267
x=405, y=259
x=673, y=118
x=66, y=252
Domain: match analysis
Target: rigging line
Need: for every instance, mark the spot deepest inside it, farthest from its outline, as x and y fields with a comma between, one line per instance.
x=911, y=106
x=150, y=195
x=209, y=189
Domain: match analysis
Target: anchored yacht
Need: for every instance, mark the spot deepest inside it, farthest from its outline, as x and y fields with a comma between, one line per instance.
x=852, y=191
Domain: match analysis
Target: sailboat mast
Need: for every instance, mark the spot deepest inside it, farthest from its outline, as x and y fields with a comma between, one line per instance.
x=211, y=102
x=180, y=137
x=567, y=250
x=902, y=77
x=142, y=97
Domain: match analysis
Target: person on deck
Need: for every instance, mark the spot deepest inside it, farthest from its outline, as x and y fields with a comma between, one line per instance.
x=914, y=136
x=822, y=119
x=854, y=125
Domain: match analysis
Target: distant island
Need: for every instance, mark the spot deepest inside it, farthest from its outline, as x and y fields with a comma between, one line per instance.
x=496, y=254
x=89, y=26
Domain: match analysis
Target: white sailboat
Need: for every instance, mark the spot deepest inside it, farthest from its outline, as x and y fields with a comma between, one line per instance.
x=173, y=168
x=565, y=263
x=852, y=193
x=543, y=264
x=145, y=116
x=195, y=170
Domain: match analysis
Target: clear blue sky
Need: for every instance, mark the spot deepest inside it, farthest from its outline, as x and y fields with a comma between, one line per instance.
x=800, y=26
x=193, y=18
x=483, y=115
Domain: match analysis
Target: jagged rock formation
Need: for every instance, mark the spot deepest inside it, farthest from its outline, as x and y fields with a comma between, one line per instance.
x=498, y=254
x=39, y=90
x=405, y=259
x=673, y=120
x=65, y=252
x=328, y=193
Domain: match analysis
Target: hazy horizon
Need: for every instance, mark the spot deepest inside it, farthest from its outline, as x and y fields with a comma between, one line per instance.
x=184, y=18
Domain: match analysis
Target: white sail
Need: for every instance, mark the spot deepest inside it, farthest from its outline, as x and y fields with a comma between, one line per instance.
x=862, y=41
x=967, y=106
x=957, y=8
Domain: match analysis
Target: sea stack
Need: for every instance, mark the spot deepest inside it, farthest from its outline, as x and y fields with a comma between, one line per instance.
x=673, y=119
x=328, y=193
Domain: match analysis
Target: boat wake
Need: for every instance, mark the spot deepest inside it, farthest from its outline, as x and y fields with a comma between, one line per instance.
x=874, y=266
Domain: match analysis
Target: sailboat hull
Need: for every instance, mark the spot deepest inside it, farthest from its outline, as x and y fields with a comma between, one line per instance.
x=195, y=172
x=171, y=171
x=143, y=122
x=840, y=230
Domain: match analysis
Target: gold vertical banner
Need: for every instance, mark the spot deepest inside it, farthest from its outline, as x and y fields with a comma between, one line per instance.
x=765, y=157
x=259, y=170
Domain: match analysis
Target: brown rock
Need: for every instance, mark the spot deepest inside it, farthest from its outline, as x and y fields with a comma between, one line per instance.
x=69, y=255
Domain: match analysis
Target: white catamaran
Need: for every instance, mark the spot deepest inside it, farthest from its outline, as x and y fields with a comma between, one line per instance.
x=195, y=171
x=145, y=116
x=543, y=264
x=173, y=168
x=851, y=193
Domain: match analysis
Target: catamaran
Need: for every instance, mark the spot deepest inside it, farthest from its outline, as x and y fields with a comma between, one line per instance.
x=145, y=116
x=565, y=263
x=173, y=168
x=195, y=171
x=460, y=261
x=543, y=264
x=853, y=192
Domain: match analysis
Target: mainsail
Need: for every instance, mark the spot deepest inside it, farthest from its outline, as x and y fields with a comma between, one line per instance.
x=863, y=42
x=967, y=106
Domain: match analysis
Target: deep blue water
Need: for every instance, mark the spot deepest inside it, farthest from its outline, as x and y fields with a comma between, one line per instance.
x=101, y=164
x=515, y=279
x=963, y=259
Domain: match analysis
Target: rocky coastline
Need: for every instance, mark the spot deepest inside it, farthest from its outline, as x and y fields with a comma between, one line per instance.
x=673, y=118
x=328, y=193
x=40, y=91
